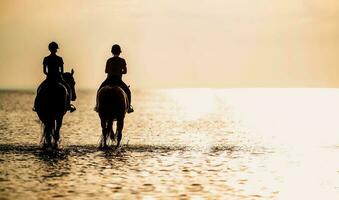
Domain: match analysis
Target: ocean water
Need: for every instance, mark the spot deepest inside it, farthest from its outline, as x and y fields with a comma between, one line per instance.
x=179, y=144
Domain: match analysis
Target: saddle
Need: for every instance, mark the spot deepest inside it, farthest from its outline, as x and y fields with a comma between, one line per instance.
x=53, y=84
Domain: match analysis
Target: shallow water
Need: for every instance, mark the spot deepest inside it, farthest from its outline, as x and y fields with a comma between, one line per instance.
x=180, y=143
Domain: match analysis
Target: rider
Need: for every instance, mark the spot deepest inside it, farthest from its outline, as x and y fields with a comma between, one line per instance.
x=115, y=68
x=53, y=67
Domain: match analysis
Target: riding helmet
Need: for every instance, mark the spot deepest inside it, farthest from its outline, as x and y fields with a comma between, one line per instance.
x=53, y=46
x=116, y=49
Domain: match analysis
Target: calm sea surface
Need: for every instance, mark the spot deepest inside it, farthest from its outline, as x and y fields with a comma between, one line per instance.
x=180, y=144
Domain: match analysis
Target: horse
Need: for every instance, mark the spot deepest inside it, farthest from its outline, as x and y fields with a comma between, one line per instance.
x=112, y=106
x=51, y=106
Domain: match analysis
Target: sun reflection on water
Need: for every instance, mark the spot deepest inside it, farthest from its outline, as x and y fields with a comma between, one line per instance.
x=192, y=104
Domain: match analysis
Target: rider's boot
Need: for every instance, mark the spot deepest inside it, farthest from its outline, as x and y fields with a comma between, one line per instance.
x=71, y=108
x=130, y=109
x=96, y=107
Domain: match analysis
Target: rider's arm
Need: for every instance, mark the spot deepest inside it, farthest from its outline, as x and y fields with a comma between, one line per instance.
x=61, y=66
x=124, y=68
x=44, y=67
x=106, y=68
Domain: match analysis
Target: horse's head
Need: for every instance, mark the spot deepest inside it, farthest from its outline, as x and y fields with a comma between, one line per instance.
x=68, y=77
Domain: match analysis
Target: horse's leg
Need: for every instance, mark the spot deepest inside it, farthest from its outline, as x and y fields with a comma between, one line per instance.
x=104, y=132
x=47, y=135
x=57, y=131
x=110, y=131
x=120, y=126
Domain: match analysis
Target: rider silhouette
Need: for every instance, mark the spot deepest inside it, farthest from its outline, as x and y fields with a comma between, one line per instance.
x=53, y=67
x=115, y=68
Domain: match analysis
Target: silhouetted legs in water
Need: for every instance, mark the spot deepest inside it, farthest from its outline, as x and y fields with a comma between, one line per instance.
x=120, y=126
x=108, y=133
x=52, y=131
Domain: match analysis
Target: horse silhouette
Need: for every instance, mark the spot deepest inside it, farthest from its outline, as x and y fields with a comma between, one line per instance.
x=51, y=106
x=112, y=106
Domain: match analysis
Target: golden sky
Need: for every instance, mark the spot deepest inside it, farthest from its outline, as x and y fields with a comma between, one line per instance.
x=168, y=43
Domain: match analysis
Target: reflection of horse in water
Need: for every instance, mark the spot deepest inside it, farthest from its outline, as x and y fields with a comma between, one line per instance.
x=112, y=106
x=51, y=105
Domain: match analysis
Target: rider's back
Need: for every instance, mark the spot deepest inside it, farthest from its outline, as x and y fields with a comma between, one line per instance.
x=115, y=66
x=54, y=64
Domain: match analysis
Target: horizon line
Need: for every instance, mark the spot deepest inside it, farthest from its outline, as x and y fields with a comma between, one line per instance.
x=179, y=88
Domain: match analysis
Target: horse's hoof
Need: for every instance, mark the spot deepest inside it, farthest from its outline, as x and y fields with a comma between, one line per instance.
x=95, y=109
x=113, y=137
x=48, y=149
x=46, y=146
x=56, y=147
x=105, y=147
